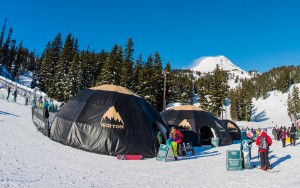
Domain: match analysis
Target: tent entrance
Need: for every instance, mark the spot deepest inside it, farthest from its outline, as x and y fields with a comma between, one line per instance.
x=159, y=127
x=205, y=135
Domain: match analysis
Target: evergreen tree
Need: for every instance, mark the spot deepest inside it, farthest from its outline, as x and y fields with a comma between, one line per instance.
x=62, y=69
x=147, y=89
x=36, y=73
x=10, y=62
x=219, y=91
x=127, y=66
x=295, y=100
x=48, y=70
x=6, y=50
x=203, y=93
x=86, y=69
x=74, y=78
x=157, y=82
x=1, y=43
x=170, y=83
x=99, y=65
x=290, y=104
x=17, y=62
x=139, y=65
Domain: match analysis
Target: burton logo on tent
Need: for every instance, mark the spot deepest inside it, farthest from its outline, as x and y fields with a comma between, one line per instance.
x=185, y=124
x=231, y=127
x=112, y=119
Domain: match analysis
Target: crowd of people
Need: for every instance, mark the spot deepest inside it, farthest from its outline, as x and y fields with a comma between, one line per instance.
x=283, y=134
x=264, y=141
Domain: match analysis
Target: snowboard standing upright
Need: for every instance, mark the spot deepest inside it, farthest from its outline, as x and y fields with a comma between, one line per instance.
x=246, y=147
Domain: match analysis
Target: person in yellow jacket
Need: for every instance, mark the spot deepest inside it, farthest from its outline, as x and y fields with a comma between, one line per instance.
x=174, y=138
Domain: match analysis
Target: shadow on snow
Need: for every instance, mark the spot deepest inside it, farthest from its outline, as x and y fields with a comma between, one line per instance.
x=6, y=113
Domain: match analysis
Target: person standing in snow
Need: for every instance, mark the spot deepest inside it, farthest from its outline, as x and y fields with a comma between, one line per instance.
x=173, y=138
x=8, y=92
x=293, y=135
x=15, y=95
x=283, y=135
x=46, y=104
x=264, y=142
x=179, y=142
x=274, y=133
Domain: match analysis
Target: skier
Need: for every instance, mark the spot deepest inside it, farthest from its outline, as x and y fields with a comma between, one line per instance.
x=264, y=142
x=8, y=92
x=293, y=135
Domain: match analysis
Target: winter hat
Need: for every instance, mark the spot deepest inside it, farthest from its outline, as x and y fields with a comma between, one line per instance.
x=263, y=134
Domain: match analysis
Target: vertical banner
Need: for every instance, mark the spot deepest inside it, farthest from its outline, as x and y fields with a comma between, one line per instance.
x=39, y=120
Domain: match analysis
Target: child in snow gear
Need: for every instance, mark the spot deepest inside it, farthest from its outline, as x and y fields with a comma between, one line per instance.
x=283, y=135
x=264, y=142
x=293, y=135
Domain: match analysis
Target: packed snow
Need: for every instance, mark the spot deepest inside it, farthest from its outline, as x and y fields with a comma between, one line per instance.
x=30, y=159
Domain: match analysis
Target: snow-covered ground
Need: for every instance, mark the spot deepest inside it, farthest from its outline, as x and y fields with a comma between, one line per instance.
x=29, y=159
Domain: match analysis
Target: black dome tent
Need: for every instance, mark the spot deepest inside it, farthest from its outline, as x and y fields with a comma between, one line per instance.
x=109, y=120
x=197, y=126
x=232, y=128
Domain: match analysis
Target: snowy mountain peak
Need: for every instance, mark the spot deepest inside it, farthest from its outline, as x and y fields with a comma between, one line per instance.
x=208, y=64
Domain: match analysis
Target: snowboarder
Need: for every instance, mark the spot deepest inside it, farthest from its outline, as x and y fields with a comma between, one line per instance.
x=264, y=142
x=293, y=135
x=8, y=92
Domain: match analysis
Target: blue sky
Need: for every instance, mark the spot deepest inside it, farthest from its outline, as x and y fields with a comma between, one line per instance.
x=253, y=34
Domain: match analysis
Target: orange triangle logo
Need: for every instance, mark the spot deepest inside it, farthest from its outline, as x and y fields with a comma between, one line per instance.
x=112, y=119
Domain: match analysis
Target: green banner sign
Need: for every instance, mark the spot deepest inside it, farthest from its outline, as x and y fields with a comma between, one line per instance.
x=165, y=153
x=233, y=160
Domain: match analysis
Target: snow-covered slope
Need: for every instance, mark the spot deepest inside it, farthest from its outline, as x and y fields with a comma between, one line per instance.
x=29, y=159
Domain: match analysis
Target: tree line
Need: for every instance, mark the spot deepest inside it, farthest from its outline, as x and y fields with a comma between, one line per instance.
x=63, y=69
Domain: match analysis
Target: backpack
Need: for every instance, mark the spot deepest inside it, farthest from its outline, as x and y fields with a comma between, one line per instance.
x=263, y=143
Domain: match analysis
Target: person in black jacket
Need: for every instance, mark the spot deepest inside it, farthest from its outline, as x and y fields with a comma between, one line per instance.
x=293, y=135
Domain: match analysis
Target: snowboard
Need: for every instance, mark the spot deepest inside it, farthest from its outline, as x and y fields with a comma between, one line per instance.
x=246, y=147
x=130, y=157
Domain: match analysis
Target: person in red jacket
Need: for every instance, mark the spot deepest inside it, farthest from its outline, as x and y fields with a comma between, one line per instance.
x=264, y=141
x=179, y=142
